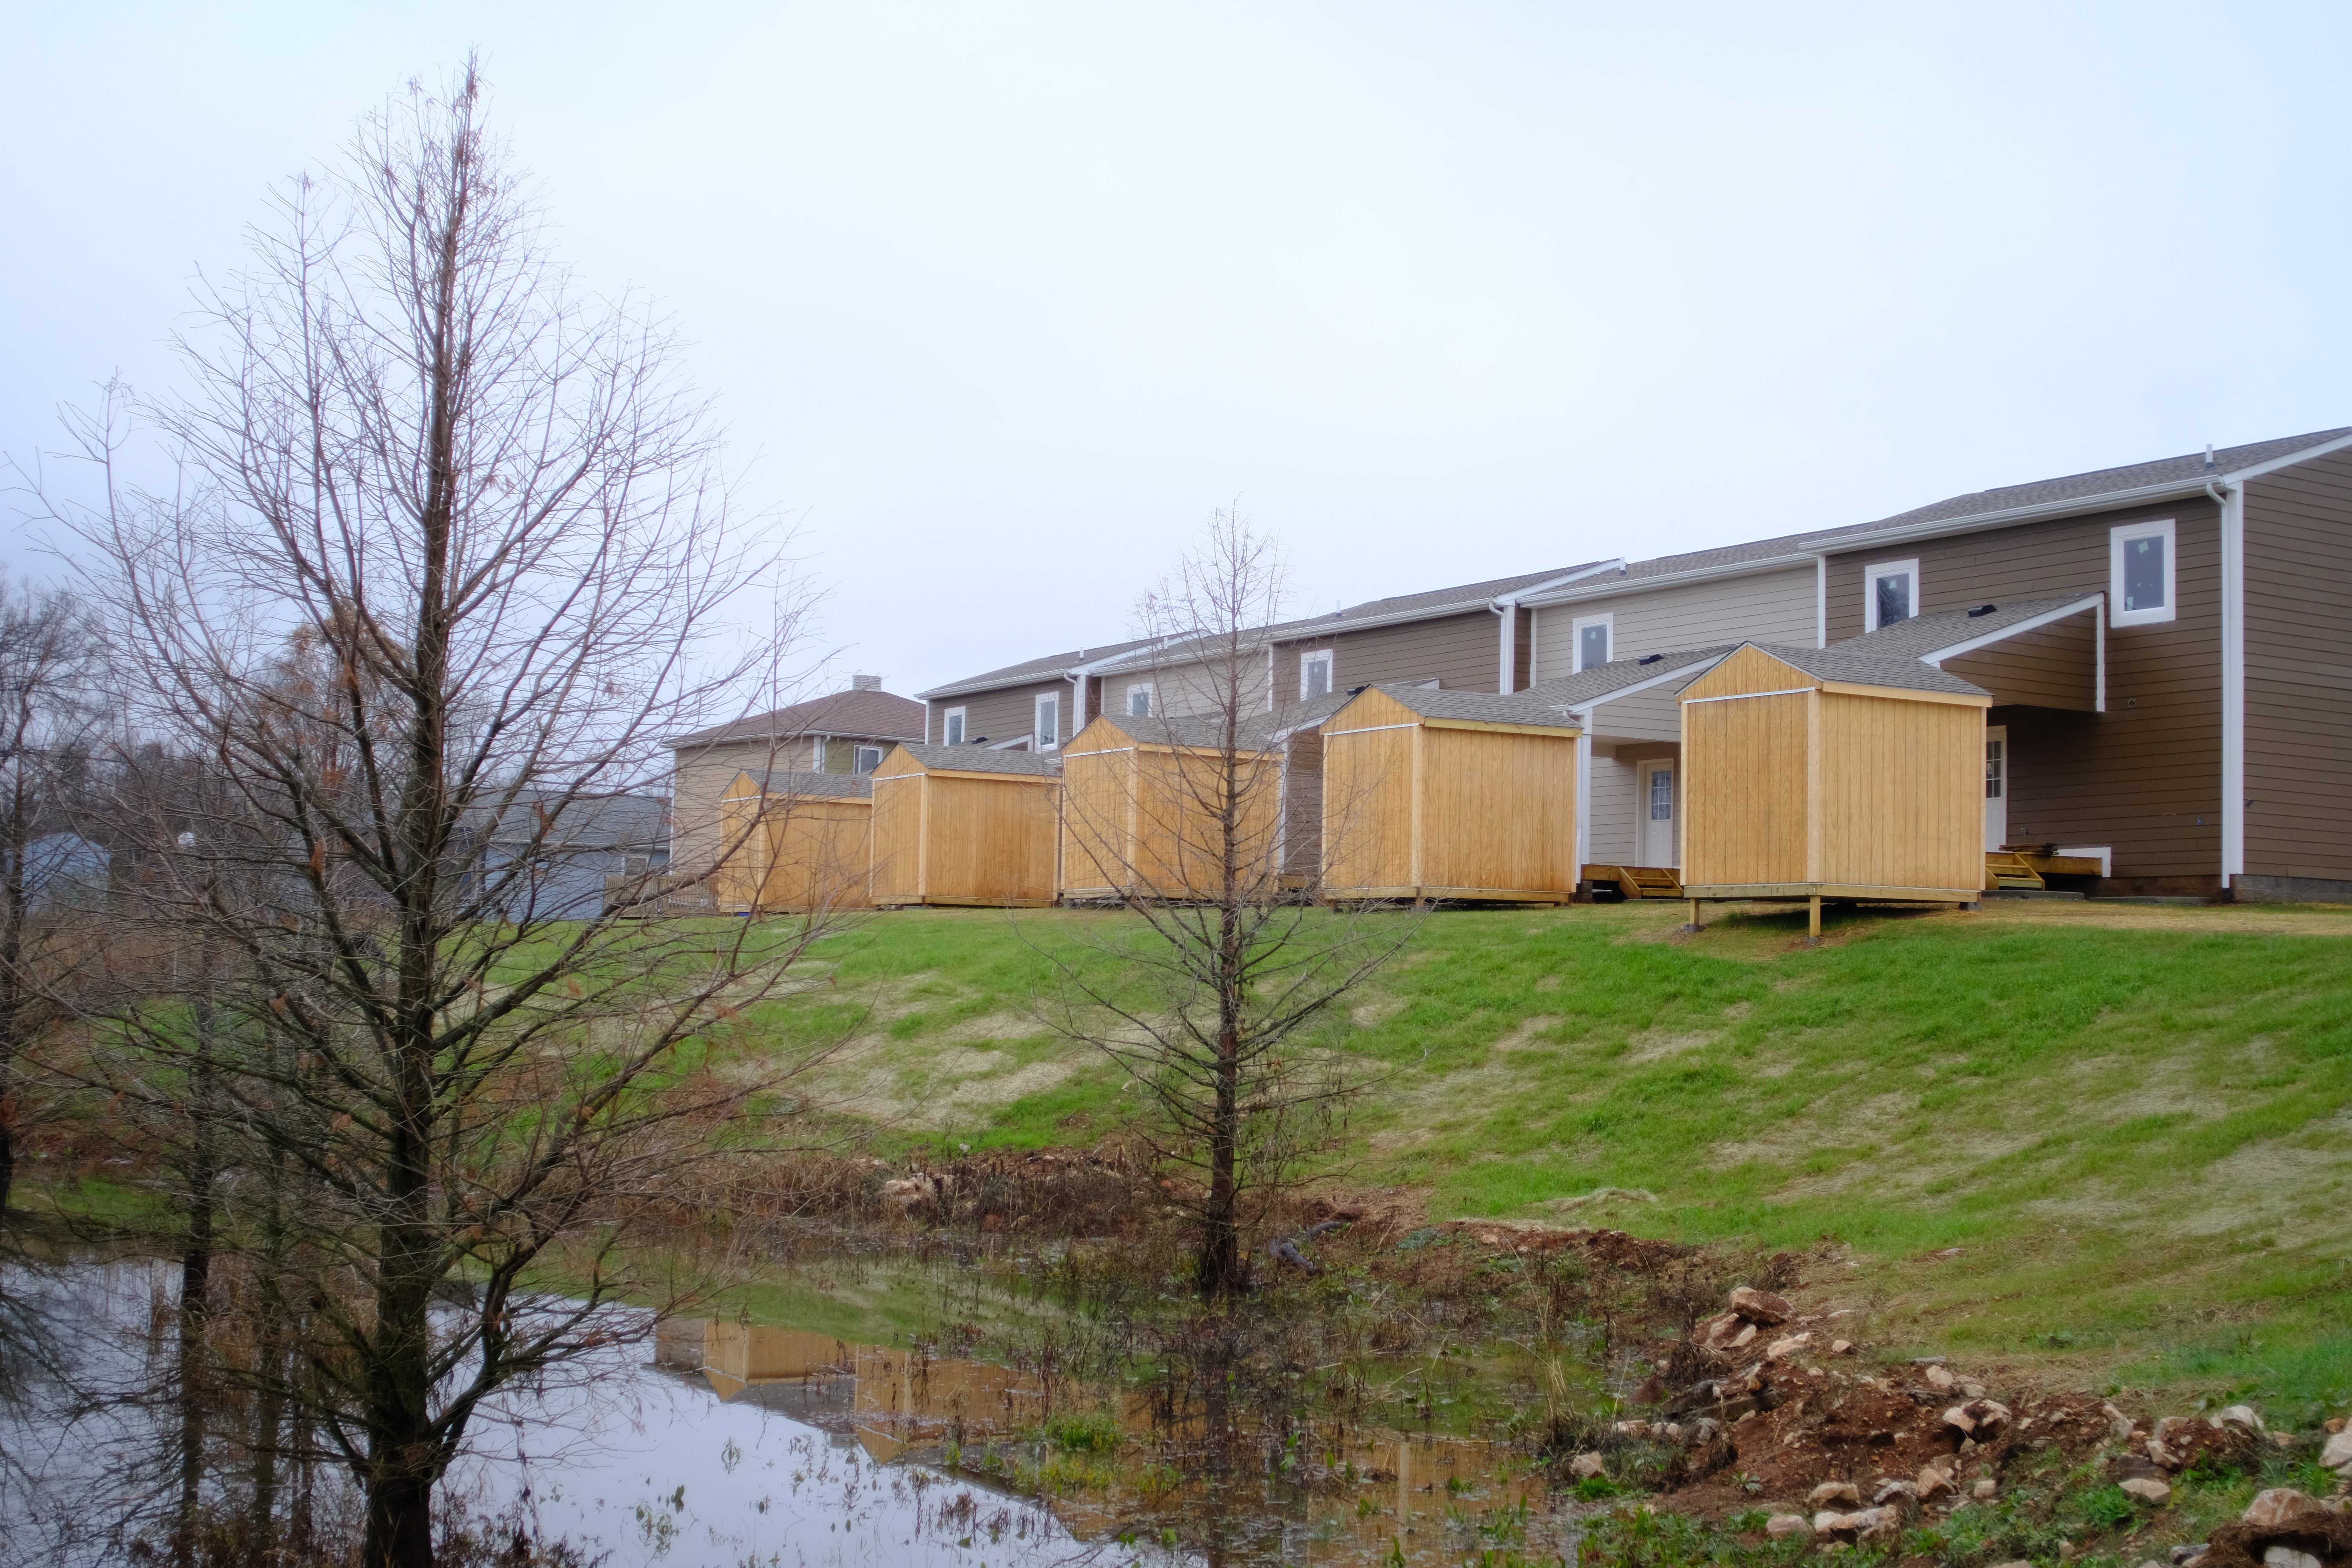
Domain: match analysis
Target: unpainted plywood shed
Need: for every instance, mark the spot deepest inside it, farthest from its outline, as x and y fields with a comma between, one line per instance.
x=1144, y=802
x=964, y=824
x=794, y=842
x=1449, y=794
x=1827, y=773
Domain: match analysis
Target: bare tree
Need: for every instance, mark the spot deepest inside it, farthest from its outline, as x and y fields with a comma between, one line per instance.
x=1195, y=829
x=51, y=668
x=448, y=563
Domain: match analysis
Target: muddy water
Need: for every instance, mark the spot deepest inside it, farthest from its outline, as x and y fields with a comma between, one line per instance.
x=714, y=1442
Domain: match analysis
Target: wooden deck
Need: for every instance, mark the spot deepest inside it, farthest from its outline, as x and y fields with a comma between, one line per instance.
x=1639, y=881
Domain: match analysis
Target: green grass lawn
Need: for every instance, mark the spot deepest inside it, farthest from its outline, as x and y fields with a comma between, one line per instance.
x=2135, y=1125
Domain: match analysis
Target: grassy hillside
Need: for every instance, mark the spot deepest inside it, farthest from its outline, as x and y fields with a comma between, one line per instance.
x=2113, y=1142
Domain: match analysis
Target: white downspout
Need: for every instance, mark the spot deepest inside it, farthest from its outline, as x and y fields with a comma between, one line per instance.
x=2233, y=499
x=1509, y=610
x=1821, y=601
x=1583, y=793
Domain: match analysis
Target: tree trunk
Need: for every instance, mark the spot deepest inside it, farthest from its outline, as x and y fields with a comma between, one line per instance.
x=196, y=1292
x=399, y=1511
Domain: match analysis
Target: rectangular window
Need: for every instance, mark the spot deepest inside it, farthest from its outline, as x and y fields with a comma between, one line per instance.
x=1996, y=772
x=1138, y=701
x=868, y=759
x=951, y=729
x=1314, y=674
x=2142, y=587
x=1049, y=722
x=1890, y=594
x=1662, y=795
x=1592, y=635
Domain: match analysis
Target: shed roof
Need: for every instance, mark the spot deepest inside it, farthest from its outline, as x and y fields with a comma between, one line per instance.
x=876, y=715
x=1589, y=685
x=1843, y=662
x=1481, y=706
x=832, y=786
x=1924, y=636
x=983, y=760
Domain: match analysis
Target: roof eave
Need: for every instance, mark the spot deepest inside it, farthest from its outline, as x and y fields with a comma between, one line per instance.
x=1671, y=579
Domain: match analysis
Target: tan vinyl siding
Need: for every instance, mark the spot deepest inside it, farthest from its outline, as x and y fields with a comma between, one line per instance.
x=1183, y=689
x=1461, y=653
x=1653, y=715
x=1770, y=606
x=2299, y=670
x=1003, y=714
x=1615, y=818
x=2145, y=777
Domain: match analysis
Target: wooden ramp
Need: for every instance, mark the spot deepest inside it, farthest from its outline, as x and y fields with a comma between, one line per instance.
x=1639, y=881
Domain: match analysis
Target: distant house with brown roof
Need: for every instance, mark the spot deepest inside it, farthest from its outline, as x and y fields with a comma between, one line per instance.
x=846, y=733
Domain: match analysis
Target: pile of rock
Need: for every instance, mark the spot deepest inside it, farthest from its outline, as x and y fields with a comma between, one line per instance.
x=2282, y=1529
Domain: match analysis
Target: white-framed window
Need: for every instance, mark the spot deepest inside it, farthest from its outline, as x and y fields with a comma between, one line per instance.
x=1138, y=701
x=2142, y=588
x=868, y=759
x=1593, y=635
x=1049, y=721
x=952, y=728
x=1314, y=674
x=1890, y=593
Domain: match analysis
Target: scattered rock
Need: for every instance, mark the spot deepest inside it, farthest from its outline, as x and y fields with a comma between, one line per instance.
x=1783, y=1348
x=2335, y=1424
x=1760, y=1306
x=2337, y=1454
x=1835, y=1492
x=1637, y=1430
x=2240, y=1416
x=2186, y=1552
x=1986, y=1487
x=1781, y=1526
x=1982, y=1419
x=1889, y=1490
x=2288, y=1557
x=1938, y=1379
x=1841, y=1347
x=2119, y=1425
x=1933, y=1483
x=2147, y=1489
x=2282, y=1508
x=1584, y=1466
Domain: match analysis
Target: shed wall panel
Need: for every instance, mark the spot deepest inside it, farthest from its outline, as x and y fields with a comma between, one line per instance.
x=988, y=841
x=1498, y=811
x=897, y=836
x=1746, y=795
x=1368, y=809
x=1903, y=792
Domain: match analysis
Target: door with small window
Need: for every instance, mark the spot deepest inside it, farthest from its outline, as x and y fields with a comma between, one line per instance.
x=1660, y=844
x=1996, y=787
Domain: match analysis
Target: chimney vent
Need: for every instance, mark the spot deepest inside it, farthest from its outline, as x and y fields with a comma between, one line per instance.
x=2208, y=454
x=866, y=683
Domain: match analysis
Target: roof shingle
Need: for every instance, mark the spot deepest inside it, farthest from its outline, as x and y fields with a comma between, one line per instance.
x=862, y=715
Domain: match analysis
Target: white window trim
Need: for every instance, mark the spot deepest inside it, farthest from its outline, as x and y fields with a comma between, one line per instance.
x=955, y=727
x=2122, y=534
x=1576, y=629
x=1037, y=726
x=816, y=753
x=1152, y=698
x=857, y=759
x=1322, y=656
x=1870, y=577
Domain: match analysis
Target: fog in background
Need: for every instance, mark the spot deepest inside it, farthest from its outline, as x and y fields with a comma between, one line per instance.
x=999, y=301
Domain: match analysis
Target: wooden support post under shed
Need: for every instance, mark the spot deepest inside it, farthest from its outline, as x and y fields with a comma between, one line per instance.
x=1813, y=916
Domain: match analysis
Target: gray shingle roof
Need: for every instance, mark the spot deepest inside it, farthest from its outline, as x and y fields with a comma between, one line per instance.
x=2189, y=469
x=857, y=715
x=1841, y=662
x=1480, y=707
x=1052, y=666
x=1924, y=635
x=832, y=786
x=1591, y=685
x=980, y=760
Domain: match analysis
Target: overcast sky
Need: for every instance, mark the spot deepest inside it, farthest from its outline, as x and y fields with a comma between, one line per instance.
x=1000, y=301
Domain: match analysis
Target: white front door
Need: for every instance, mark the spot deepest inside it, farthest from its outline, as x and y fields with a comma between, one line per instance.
x=1660, y=846
x=1996, y=785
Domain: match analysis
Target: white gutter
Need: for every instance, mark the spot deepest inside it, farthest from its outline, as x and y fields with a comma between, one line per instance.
x=2232, y=499
x=1670, y=579
x=1507, y=606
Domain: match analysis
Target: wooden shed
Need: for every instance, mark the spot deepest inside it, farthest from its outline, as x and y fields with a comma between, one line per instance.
x=794, y=842
x=1819, y=774
x=964, y=824
x=1143, y=802
x=1449, y=794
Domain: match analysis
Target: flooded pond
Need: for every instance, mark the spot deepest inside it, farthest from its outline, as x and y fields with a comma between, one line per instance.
x=710, y=1441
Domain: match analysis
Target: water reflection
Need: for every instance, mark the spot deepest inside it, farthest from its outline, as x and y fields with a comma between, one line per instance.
x=724, y=1443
